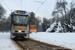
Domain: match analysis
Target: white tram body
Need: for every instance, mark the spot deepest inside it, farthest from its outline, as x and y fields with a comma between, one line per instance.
x=19, y=24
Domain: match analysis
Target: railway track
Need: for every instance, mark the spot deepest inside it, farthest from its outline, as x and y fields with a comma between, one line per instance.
x=31, y=44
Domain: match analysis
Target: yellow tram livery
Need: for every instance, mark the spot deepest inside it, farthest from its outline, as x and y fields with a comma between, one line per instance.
x=33, y=28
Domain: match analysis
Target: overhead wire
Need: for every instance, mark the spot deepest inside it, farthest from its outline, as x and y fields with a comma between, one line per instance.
x=40, y=5
x=6, y=5
x=22, y=7
x=39, y=8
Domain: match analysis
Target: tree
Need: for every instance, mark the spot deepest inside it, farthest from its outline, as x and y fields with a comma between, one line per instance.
x=61, y=9
x=35, y=20
x=2, y=19
x=2, y=11
x=32, y=18
x=45, y=24
x=72, y=12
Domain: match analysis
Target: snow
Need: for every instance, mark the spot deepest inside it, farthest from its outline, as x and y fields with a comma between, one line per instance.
x=51, y=27
x=74, y=27
x=5, y=42
x=60, y=39
x=71, y=26
x=58, y=29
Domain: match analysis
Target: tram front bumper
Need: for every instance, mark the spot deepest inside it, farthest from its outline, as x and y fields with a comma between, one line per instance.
x=19, y=34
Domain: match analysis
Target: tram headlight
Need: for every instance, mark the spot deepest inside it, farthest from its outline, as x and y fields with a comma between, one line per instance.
x=19, y=31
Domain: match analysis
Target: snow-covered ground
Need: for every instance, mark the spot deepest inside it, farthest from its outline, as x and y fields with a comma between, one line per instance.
x=60, y=39
x=5, y=42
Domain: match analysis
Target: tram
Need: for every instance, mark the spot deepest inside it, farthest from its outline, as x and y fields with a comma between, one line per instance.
x=20, y=24
x=33, y=28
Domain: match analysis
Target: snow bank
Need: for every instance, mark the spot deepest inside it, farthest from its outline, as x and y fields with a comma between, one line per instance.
x=5, y=42
x=60, y=39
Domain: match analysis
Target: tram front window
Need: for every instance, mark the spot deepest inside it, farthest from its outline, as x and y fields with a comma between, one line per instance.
x=20, y=20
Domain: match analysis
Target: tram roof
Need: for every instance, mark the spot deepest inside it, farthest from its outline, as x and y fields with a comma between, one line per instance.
x=20, y=12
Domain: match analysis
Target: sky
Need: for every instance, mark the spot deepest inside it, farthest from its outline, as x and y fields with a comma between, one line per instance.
x=30, y=5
